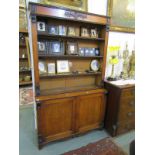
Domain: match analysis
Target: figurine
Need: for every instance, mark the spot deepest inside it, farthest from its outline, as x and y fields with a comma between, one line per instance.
x=132, y=66
x=125, y=63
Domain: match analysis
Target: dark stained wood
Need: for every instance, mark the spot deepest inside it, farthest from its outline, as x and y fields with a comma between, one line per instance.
x=120, y=111
x=49, y=36
x=68, y=57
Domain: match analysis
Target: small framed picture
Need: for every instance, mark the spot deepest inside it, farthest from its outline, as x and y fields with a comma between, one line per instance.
x=51, y=68
x=85, y=32
x=62, y=66
x=56, y=48
x=92, y=51
x=72, y=48
x=97, y=51
x=87, y=53
x=93, y=33
x=52, y=29
x=71, y=31
x=62, y=30
x=95, y=66
x=41, y=26
x=81, y=51
x=42, y=67
x=41, y=47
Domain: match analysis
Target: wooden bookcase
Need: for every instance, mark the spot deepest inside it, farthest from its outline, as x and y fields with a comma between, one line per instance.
x=24, y=59
x=69, y=104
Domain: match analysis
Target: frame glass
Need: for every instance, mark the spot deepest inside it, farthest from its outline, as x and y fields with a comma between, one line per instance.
x=72, y=48
x=51, y=68
x=42, y=67
x=95, y=65
x=71, y=31
x=62, y=30
x=122, y=16
x=85, y=32
x=81, y=5
x=93, y=33
x=62, y=66
x=52, y=29
x=41, y=47
x=41, y=26
x=56, y=48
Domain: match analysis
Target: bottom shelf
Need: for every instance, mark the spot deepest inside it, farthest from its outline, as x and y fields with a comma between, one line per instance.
x=67, y=90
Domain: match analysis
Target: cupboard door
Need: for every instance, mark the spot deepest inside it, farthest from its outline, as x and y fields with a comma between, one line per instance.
x=56, y=118
x=90, y=112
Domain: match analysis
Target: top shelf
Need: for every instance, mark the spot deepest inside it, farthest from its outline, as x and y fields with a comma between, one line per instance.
x=46, y=35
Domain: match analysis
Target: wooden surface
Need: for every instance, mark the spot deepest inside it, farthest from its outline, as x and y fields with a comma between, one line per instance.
x=69, y=104
x=120, y=112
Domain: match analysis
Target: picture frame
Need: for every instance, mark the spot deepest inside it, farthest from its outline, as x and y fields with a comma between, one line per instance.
x=122, y=16
x=41, y=26
x=52, y=29
x=41, y=47
x=62, y=30
x=42, y=67
x=81, y=5
x=81, y=51
x=93, y=33
x=97, y=51
x=63, y=66
x=94, y=65
x=91, y=51
x=72, y=48
x=71, y=31
x=87, y=52
x=56, y=48
x=85, y=32
x=51, y=68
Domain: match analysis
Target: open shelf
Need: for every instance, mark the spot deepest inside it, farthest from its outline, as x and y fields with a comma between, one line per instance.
x=24, y=83
x=68, y=75
x=67, y=90
x=24, y=71
x=68, y=57
x=46, y=35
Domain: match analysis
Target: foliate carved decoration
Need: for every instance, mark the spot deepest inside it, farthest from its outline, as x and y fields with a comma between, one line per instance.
x=75, y=15
x=38, y=103
x=107, y=28
x=33, y=18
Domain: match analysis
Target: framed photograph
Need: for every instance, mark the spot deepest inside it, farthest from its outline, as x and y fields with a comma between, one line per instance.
x=41, y=26
x=81, y=5
x=52, y=29
x=87, y=53
x=42, y=67
x=97, y=51
x=94, y=33
x=72, y=48
x=81, y=51
x=51, y=68
x=56, y=48
x=122, y=16
x=95, y=66
x=62, y=66
x=85, y=32
x=41, y=47
x=71, y=31
x=92, y=51
x=62, y=30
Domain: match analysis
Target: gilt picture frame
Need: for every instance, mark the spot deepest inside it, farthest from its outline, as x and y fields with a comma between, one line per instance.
x=80, y=5
x=122, y=15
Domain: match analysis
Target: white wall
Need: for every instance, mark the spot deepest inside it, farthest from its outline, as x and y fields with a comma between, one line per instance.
x=97, y=6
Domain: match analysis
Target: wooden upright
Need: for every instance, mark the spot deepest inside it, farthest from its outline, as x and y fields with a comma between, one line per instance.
x=69, y=104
